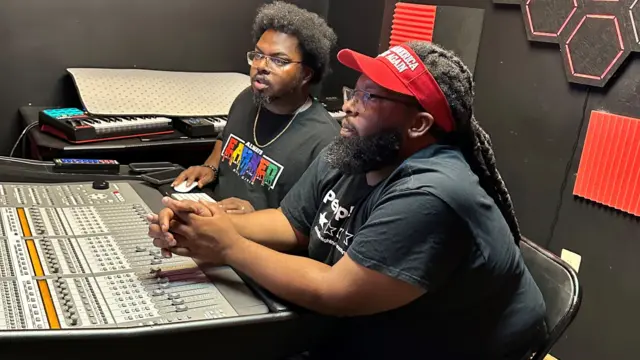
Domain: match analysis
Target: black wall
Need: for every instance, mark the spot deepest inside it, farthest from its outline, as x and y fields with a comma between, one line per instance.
x=358, y=28
x=537, y=121
x=41, y=38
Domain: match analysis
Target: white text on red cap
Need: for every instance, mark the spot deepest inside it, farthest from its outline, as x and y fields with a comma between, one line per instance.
x=400, y=58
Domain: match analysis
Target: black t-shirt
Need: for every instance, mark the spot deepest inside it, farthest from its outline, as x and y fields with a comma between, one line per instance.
x=263, y=174
x=429, y=224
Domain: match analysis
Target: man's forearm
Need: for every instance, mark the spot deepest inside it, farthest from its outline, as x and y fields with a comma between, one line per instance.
x=267, y=227
x=300, y=280
x=214, y=158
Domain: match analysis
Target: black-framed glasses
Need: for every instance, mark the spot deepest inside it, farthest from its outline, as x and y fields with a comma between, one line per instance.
x=272, y=61
x=360, y=98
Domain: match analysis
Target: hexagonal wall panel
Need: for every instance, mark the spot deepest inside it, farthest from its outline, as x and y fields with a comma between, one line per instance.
x=634, y=15
x=545, y=19
x=595, y=36
x=595, y=61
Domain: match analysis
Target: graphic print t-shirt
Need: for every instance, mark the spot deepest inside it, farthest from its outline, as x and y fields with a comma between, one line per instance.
x=429, y=224
x=263, y=174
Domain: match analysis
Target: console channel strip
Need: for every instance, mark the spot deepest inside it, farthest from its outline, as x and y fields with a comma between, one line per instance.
x=72, y=256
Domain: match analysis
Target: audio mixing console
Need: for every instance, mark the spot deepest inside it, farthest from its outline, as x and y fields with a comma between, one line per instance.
x=75, y=256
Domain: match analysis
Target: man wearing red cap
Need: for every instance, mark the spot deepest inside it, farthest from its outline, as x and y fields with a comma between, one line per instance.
x=410, y=231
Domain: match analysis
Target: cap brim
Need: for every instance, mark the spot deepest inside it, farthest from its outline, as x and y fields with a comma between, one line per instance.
x=374, y=69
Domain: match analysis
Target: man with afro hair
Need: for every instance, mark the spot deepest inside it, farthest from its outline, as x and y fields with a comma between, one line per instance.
x=275, y=128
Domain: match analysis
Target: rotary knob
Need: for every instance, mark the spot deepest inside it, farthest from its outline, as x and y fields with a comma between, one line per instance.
x=100, y=185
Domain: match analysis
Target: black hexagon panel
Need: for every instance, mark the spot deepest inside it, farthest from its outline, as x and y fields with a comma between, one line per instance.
x=595, y=36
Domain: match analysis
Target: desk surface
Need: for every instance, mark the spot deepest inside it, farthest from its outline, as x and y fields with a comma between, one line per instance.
x=30, y=115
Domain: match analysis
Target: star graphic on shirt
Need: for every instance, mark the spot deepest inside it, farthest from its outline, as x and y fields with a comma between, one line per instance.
x=329, y=230
x=347, y=237
x=323, y=219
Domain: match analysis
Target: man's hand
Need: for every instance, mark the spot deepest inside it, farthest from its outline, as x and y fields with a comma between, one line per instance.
x=236, y=206
x=160, y=224
x=193, y=231
x=202, y=174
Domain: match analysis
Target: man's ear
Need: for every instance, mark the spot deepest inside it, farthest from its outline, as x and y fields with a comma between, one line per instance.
x=308, y=75
x=420, y=125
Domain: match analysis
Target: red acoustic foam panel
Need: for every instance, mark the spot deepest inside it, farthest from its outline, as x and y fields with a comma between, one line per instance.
x=412, y=22
x=609, y=171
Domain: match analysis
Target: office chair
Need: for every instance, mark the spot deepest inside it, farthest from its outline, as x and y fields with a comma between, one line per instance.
x=562, y=293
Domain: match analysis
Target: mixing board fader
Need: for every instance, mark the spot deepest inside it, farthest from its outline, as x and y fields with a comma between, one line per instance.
x=75, y=257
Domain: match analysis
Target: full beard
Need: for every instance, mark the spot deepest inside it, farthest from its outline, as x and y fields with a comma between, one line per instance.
x=361, y=154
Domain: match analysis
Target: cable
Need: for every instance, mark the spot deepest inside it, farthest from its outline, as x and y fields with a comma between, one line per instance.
x=26, y=130
x=24, y=161
x=565, y=181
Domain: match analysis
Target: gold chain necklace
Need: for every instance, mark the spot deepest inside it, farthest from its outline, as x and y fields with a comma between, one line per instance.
x=255, y=124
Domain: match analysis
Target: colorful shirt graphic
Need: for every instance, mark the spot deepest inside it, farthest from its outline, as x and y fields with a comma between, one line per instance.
x=250, y=162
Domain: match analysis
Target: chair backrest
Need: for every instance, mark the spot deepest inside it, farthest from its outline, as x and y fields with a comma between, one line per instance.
x=559, y=285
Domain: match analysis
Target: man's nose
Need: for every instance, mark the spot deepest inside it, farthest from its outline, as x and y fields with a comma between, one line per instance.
x=349, y=107
x=261, y=64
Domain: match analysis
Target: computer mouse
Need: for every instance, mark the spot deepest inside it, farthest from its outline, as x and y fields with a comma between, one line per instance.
x=183, y=188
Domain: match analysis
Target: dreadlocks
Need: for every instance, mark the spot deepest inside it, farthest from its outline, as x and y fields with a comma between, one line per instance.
x=456, y=82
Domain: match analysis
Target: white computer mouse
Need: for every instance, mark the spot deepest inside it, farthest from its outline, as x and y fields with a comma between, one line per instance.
x=183, y=188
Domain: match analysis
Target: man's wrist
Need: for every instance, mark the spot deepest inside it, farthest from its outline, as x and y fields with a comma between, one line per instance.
x=234, y=247
x=212, y=167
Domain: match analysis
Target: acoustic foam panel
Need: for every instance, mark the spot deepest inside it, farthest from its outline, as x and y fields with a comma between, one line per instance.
x=412, y=22
x=154, y=92
x=455, y=28
x=609, y=170
x=595, y=36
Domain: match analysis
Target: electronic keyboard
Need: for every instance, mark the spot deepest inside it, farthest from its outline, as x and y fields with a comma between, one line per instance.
x=201, y=126
x=76, y=126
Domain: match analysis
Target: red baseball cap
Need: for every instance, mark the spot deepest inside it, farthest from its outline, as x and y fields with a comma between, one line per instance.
x=400, y=69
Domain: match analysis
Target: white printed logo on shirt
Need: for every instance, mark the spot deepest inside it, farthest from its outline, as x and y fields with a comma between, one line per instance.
x=330, y=227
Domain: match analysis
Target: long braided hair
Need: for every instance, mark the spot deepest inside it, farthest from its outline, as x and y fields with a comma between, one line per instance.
x=456, y=82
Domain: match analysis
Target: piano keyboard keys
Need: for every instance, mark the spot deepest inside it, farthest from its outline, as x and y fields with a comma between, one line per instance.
x=77, y=127
x=116, y=124
x=218, y=122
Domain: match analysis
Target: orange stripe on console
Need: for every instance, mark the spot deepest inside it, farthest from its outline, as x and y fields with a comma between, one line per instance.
x=35, y=261
x=45, y=294
x=49, y=308
x=24, y=223
x=31, y=245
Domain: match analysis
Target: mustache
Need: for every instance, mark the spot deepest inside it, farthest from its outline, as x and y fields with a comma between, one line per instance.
x=261, y=78
x=346, y=123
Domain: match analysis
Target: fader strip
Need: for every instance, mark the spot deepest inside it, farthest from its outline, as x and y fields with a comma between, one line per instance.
x=75, y=257
x=45, y=295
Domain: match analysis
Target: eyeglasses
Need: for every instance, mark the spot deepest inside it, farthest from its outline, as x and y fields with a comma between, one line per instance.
x=274, y=62
x=361, y=98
